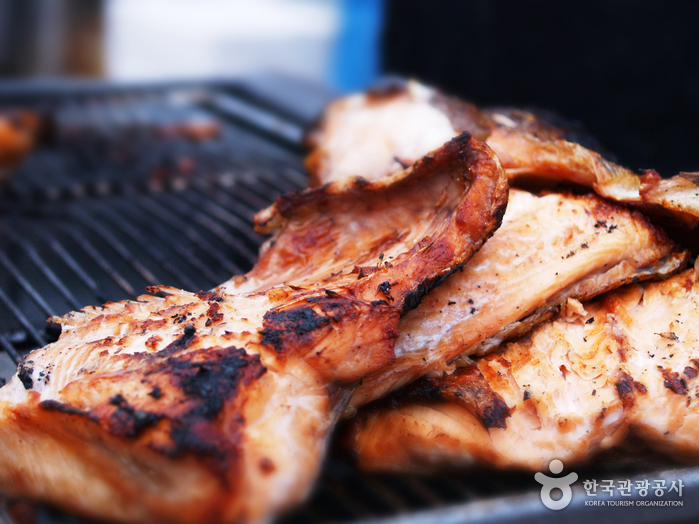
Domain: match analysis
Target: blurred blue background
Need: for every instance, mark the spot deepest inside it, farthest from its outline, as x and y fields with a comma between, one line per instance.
x=333, y=42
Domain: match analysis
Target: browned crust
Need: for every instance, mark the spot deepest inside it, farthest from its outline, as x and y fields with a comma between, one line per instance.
x=339, y=336
x=472, y=202
x=466, y=387
x=203, y=381
x=673, y=382
x=136, y=475
x=627, y=388
x=475, y=173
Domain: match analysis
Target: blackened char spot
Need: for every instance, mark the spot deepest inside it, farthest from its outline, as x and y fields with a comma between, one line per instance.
x=385, y=288
x=156, y=393
x=25, y=376
x=210, y=383
x=117, y=400
x=690, y=372
x=180, y=343
x=494, y=415
x=364, y=271
x=289, y=325
x=673, y=382
x=207, y=386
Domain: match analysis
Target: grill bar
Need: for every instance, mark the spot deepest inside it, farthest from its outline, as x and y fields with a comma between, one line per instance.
x=153, y=204
x=184, y=253
x=68, y=259
x=96, y=257
x=25, y=285
x=46, y=271
x=122, y=223
x=7, y=346
x=36, y=339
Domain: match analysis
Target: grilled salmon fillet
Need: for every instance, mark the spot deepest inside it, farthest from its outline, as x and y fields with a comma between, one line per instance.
x=548, y=249
x=216, y=406
x=626, y=363
x=377, y=132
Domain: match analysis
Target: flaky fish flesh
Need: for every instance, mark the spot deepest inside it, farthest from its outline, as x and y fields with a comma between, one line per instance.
x=627, y=363
x=548, y=249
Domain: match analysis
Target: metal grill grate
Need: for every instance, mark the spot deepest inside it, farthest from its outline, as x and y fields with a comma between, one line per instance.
x=122, y=196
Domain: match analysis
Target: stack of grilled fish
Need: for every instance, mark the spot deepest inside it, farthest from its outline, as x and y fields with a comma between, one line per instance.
x=472, y=317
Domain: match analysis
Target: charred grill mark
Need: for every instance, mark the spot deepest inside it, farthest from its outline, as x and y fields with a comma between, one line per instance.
x=212, y=382
x=673, y=382
x=208, y=379
x=208, y=385
x=117, y=400
x=474, y=392
x=283, y=329
x=690, y=372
